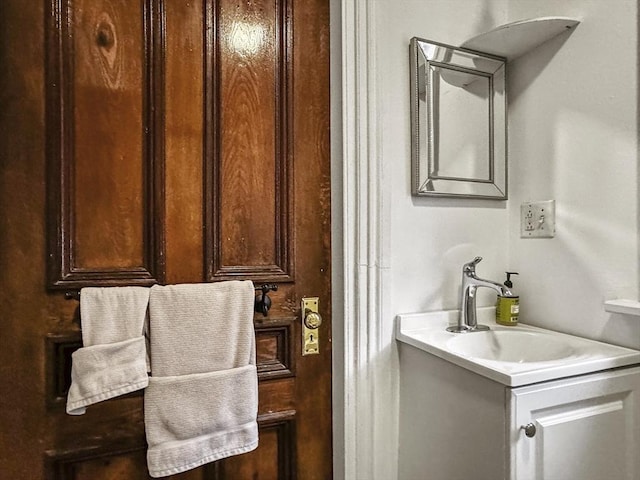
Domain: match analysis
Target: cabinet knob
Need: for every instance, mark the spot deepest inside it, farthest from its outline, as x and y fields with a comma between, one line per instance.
x=529, y=429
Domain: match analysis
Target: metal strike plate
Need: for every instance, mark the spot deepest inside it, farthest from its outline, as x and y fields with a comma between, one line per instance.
x=311, y=320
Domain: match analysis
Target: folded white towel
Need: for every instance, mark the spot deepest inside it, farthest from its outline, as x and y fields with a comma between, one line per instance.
x=201, y=404
x=112, y=361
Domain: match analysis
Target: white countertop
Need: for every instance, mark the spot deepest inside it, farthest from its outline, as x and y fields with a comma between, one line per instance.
x=427, y=332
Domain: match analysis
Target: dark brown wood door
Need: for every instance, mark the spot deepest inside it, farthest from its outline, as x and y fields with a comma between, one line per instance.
x=161, y=141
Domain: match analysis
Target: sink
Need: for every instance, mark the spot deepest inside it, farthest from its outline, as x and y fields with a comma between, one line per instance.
x=515, y=355
x=511, y=346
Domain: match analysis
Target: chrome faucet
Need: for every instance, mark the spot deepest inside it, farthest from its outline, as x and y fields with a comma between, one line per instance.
x=467, y=321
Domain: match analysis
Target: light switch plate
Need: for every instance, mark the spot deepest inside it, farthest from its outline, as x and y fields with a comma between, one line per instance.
x=538, y=219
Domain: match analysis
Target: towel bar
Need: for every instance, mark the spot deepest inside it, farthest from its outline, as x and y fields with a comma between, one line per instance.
x=262, y=303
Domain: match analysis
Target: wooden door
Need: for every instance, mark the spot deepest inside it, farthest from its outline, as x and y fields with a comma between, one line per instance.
x=161, y=141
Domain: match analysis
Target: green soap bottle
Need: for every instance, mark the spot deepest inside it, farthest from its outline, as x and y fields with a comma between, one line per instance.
x=508, y=306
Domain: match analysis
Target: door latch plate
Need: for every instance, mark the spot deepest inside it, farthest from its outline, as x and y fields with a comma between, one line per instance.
x=311, y=320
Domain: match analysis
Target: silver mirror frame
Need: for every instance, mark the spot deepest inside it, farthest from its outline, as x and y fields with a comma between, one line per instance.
x=426, y=57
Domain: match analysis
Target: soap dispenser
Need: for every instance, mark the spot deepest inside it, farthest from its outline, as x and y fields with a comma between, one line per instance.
x=508, y=306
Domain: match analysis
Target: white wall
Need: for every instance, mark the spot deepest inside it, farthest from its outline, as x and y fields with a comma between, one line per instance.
x=573, y=138
x=427, y=239
x=430, y=239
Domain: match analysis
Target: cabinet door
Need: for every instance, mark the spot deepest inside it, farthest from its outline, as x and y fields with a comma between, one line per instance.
x=586, y=428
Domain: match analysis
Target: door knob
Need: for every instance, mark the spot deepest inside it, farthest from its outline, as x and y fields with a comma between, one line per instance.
x=312, y=319
x=529, y=429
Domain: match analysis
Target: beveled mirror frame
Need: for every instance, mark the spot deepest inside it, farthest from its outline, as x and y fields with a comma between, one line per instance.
x=428, y=58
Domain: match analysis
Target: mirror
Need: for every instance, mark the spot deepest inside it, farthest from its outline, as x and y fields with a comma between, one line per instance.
x=458, y=121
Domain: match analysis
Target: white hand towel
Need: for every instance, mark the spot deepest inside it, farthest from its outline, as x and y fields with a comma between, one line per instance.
x=112, y=361
x=202, y=401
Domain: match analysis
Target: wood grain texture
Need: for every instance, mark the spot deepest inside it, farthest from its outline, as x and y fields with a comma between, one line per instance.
x=108, y=89
x=274, y=459
x=26, y=310
x=313, y=227
x=105, y=142
x=91, y=462
x=248, y=163
x=275, y=349
x=184, y=141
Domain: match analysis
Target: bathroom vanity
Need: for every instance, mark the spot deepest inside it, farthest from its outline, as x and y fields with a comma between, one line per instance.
x=522, y=403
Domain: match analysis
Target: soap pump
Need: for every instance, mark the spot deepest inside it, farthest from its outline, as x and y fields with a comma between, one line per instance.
x=508, y=305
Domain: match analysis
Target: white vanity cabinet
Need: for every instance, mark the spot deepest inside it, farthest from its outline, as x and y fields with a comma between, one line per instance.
x=586, y=428
x=456, y=424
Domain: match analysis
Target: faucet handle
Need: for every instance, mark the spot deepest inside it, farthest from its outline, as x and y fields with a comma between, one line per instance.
x=471, y=266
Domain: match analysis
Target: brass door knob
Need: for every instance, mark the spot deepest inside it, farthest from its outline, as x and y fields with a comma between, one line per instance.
x=312, y=319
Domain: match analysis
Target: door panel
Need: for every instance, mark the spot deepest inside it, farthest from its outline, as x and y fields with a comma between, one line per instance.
x=245, y=75
x=161, y=142
x=248, y=153
x=104, y=131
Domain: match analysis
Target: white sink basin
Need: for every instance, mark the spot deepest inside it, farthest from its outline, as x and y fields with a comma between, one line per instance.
x=511, y=346
x=513, y=356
